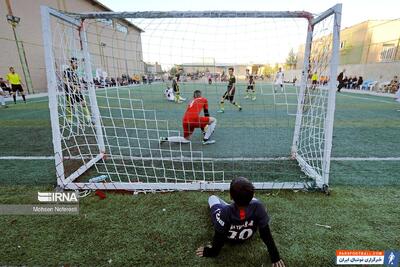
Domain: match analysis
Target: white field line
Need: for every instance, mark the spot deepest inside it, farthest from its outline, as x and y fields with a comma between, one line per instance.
x=40, y=95
x=365, y=92
x=28, y=101
x=207, y=159
x=371, y=99
x=36, y=101
x=28, y=96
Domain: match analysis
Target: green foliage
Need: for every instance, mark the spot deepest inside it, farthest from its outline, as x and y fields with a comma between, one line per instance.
x=269, y=71
x=166, y=229
x=291, y=60
x=175, y=70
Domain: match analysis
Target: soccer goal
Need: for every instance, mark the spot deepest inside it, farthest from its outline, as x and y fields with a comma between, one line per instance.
x=107, y=73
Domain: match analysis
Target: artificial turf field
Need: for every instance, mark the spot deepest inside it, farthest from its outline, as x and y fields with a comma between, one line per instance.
x=362, y=210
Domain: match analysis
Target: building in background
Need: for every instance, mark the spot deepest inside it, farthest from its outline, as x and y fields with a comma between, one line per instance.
x=106, y=37
x=153, y=68
x=369, y=49
x=215, y=68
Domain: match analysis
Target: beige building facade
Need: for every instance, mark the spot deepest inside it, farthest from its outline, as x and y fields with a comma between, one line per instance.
x=239, y=69
x=370, y=49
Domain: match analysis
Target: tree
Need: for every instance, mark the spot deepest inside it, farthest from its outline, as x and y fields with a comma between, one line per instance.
x=267, y=70
x=173, y=71
x=291, y=60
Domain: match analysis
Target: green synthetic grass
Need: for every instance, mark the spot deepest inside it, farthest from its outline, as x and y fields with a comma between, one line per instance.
x=166, y=229
x=133, y=230
x=364, y=127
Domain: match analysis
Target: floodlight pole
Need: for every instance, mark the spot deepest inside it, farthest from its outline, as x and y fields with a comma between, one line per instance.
x=13, y=20
x=126, y=56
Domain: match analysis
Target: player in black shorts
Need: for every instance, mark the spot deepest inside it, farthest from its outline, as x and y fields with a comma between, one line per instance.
x=238, y=221
x=4, y=86
x=251, y=91
x=73, y=92
x=230, y=92
x=177, y=90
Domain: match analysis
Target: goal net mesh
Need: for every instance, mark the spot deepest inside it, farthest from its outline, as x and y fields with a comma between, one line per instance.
x=111, y=75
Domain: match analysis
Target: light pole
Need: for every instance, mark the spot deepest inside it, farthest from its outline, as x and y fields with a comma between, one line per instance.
x=14, y=21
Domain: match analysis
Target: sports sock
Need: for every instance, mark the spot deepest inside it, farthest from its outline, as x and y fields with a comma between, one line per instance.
x=213, y=200
x=86, y=113
x=178, y=139
x=210, y=129
x=69, y=113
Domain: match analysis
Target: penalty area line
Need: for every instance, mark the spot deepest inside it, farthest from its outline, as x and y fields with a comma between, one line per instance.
x=208, y=159
x=371, y=99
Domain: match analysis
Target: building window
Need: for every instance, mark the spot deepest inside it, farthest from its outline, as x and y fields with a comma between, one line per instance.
x=107, y=22
x=121, y=28
x=342, y=44
x=388, y=52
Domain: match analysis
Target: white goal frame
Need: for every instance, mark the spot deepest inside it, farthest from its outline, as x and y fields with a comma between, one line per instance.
x=321, y=181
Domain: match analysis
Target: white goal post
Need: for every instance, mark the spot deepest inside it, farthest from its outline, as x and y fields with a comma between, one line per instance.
x=108, y=138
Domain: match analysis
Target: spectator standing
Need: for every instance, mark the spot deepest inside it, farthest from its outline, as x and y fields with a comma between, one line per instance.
x=340, y=79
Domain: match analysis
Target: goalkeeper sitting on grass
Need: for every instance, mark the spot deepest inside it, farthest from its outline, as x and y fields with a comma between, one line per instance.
x=238, y=221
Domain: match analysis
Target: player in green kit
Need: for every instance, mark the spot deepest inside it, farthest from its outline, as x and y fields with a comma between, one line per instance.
x=230, y=92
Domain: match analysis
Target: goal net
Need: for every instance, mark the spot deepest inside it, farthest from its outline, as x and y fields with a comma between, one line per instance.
x=112, y=83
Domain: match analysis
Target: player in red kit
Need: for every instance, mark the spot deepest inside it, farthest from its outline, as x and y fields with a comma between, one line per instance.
x=192, y=120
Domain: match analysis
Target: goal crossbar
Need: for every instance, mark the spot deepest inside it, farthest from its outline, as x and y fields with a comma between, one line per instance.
x=195, y=14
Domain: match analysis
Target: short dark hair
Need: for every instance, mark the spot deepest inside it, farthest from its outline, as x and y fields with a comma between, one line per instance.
x=196, y=94
x=242, y=191
x=73, y=59
x=230, y=68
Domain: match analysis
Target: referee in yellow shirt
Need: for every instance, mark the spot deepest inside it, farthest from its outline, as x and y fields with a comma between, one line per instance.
x=15, y=81
x=314, y=80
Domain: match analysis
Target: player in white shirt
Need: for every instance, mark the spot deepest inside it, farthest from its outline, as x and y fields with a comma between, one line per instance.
x=169, y=94
x=2, y=101
x=279, y=79
x=397, y=95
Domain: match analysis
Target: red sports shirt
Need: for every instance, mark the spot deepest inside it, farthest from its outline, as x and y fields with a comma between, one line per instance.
x=195, y=107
